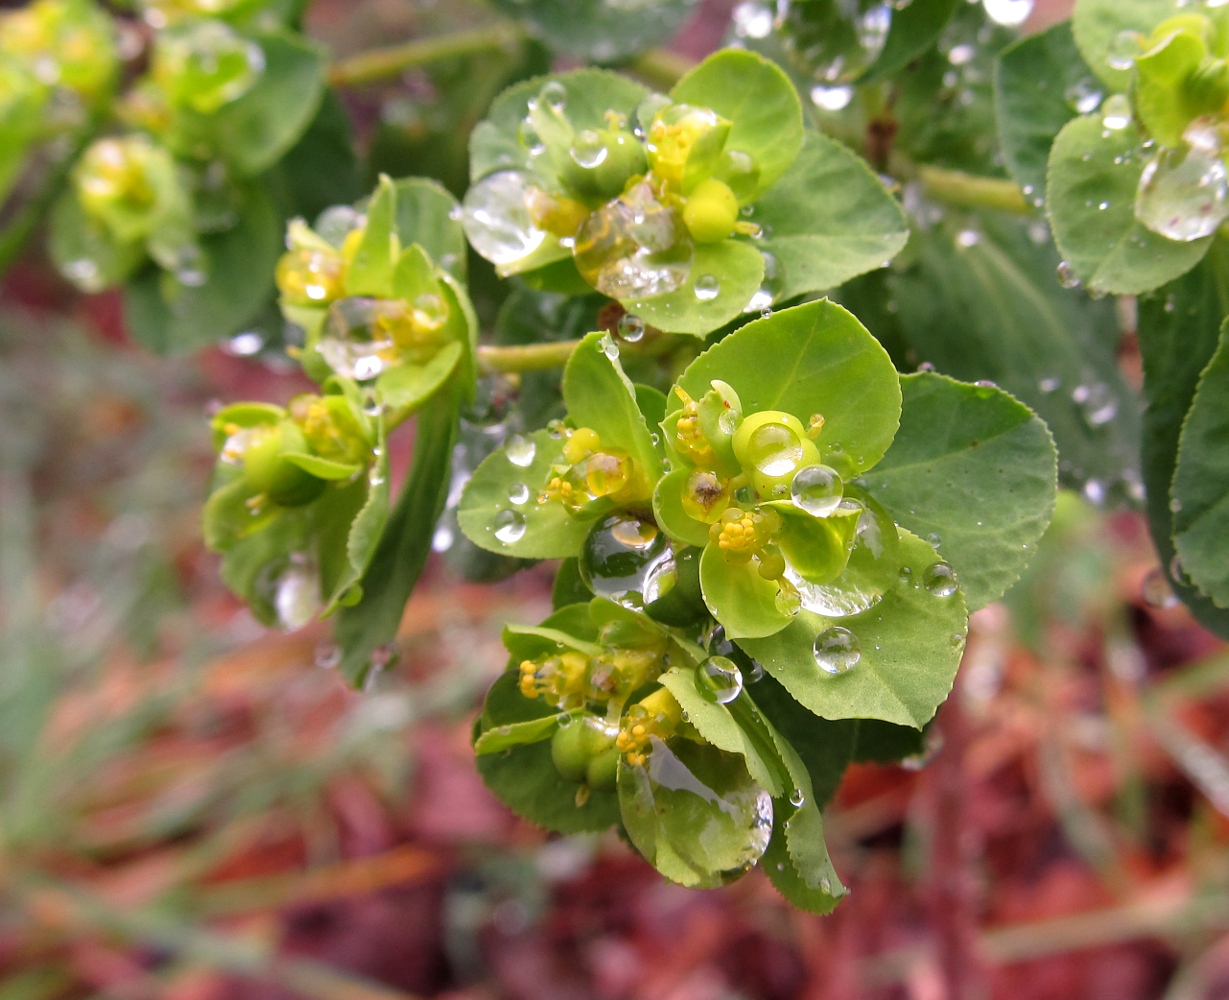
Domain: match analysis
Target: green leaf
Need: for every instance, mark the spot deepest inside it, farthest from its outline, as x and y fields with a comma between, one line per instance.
x=405, y=542
x=552, y=638
x=494, y=144
x=735, y=266
x=1179, y=329
x=1163, y=99
x=321, y=468
x=1097, y=23
x=975, y=469
x=551, y=532
x=914, y=29
x=718, y=727
x=85, y=251
x=758, y=100
x=599, y=396
x=596, y=30
x=1200, y=492
x=253, y=132
x=813, y=358
x=406, y=387
x=525, y=779
x=366, y=528
x=426, y=215
x=668, y=510
x=517, y=734
x=1107, y=248
x=828, y=219
x=321, y=169
x=742, y=600
x=911, y=642
x=1031, y=82
x=168, y=317
x=1053, y=348
x=371, y=270
x=569, y=587
x=825, y=747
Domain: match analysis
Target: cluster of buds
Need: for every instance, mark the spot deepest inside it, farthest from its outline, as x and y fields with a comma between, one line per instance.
x=656, y=716
x=590, y=471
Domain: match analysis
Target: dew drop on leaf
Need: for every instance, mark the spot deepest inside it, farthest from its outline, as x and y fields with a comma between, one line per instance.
x=940, y=580
x=509, y=526
x=1116, y=112
x=718, y=679
x=1124, y=49
x=518, y=494
x=707, y=287
x=837, y=650
x=817, y=489
x=495, y=216
x=1183, y=192
x=520, y=450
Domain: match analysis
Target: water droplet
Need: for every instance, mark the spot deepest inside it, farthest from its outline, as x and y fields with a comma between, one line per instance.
x=957, y=640
x=1097, y=403
x=589, y=150
x=628, y=560
x=554, y=95
x=1084, y=95
x=1116, y=112
x=634, y=247
x=817, y=489
x=837, y=650
x=631, y=328
x=328, y=655
x=1067, y=276
x=1177, y=572
x=608, y=346
x=443, y=538
x=1175, y=505
x=357, y=339
x=509, y=526
x=940, y=580
x=1124, y=49
x=934, y=540
x=1008, y=13
x=1049, y=385
x=1156, y=591
x=520, y=450
x=699, y=805
x=292, y=589
x=967, y=238
x=831, y=98
x=1183, y=192
x=797, y=798
x=707, y=287
x=1094, y=492
x=496, y=218
x=518, y=494
x=719, y=679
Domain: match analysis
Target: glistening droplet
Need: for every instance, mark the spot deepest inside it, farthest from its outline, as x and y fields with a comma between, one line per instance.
x=719, y=679
x=940, y=580
x=509, y=526
x=837, y=650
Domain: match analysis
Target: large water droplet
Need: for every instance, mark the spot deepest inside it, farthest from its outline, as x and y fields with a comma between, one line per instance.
x=837, y=650
x=357, y=340
x=634, y=247
x=707, y=287
x=520, y=450
x=628, y=560
x=631, y=328
x=797, y=798
x=1116, y=112
x=871, y=571
x=496, y=218
x=518, y=494
x=719, y=679
x=940, y=579
x=509, y=526
x=1123, y=50
x=1084, y=95
x=1067, y=276
x=1183, y=192
x=817, y=489
x=292, y=589
x=698, y=807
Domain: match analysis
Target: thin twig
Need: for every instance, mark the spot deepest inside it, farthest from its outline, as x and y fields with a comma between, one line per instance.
x=377, y=65
x=970, y=191
x=526, y=357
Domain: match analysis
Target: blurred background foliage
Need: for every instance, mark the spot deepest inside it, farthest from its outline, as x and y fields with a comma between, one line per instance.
x=192, y=808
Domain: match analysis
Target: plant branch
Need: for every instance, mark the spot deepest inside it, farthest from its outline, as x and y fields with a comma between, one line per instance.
x=661, y=67
x=384, y=64
x=970, y=191
x=13, y=237
x=526, y=357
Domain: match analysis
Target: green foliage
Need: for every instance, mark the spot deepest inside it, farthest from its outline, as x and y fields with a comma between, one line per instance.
x=596, y=31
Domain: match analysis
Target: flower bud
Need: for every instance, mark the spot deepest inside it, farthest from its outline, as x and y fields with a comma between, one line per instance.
x=710, y=211
x=269, y=472
x=601, y=161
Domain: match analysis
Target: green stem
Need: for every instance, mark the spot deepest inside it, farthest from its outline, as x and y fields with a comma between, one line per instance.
x=969, y=191
x=384, y=64
x=526, y=357
x=14, y=236
x=660, y=67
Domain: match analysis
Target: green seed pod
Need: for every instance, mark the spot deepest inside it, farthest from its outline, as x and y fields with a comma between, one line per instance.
x=719, y=413
x=603, y=771
x=710, y=212
x=601, y=162
x=269, y=472
x=771, y=447
x=568, y=751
